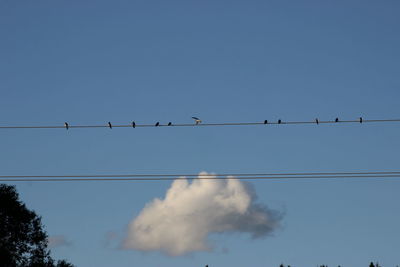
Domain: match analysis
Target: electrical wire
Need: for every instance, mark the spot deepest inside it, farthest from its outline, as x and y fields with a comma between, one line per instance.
x=203, y=176
x=266, y=122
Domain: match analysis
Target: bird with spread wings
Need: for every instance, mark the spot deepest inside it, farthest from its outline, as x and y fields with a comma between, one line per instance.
x=196, y=120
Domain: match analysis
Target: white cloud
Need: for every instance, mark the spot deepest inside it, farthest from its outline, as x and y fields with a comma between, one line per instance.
x=182, y=221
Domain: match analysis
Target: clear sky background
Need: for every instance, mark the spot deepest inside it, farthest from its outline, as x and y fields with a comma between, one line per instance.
x=90, y=62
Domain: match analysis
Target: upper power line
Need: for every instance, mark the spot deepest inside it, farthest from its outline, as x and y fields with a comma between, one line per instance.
x=199, y=123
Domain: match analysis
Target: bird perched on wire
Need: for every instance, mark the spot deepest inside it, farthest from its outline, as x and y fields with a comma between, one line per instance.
x=169, y=123
x=133, y=124
x=109, y=125
x=157, y=124
x=66, y=125
x=196, y=120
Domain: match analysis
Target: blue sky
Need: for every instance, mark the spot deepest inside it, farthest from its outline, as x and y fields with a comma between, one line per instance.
x=90, y=62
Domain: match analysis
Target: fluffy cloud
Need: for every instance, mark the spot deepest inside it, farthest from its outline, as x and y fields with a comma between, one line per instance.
x=182, y=221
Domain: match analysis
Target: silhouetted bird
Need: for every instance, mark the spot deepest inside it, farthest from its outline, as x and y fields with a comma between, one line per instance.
x=361, y=119
x=157, y=124
x=316, y=121
x=279, y=121
x=266, y=121
x=133, y=124
x=337, y=120
x=66, y=125
x=197, y=120
x=169, y=123
x=109, y=125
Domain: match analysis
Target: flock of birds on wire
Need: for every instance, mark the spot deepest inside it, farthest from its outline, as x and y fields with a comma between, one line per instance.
x=198, y=121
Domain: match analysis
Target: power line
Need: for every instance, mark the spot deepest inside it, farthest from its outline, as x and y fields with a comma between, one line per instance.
x=199, y=178
x=170, y=177
x=170, y=124
x=205, y=174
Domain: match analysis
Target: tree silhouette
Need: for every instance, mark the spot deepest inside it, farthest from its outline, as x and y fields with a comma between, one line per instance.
x=23, y=243
x=64, y=263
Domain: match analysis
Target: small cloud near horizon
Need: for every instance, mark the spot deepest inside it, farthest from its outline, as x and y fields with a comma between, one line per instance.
x=56, y=241
x=110, y=238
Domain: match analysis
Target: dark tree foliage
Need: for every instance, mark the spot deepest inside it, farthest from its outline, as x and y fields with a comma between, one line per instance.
x=23, y=243
x=370, y=265
x=63, y=263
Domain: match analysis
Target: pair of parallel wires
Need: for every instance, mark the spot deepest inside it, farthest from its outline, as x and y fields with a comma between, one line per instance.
x=202, y=176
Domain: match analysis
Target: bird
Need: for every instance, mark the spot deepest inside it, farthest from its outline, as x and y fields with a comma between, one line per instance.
x=279, y=121
x=337, y=120
x=109, y=125
x=169, y=123
x=317, y=121
x=361, y=119
x=266, y=121
x=157, y=124
x=133, y=124
x=197, y=120
x=66, y=125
